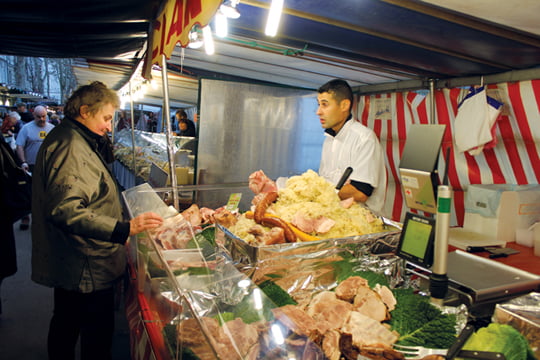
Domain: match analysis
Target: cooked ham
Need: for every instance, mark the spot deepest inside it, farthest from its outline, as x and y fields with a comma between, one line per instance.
x=296, y=319
x=225, y=218
x=174, y=233
x=193, y=215
x=369, y=303
x=275, y=235
x=346, y=290
x=366, y=331
x=207, y=215
x=191, y=335
x=346, y=203
x=237, y=338
x=330, y=345
x=329, y=311
x=387, y=296
x=320, y=224
x=258, y=182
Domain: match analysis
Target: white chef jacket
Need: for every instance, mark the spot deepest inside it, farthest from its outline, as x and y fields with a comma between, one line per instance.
x=357, y=146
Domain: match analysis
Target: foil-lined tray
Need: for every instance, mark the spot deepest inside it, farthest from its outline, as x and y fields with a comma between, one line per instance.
x=247, y=256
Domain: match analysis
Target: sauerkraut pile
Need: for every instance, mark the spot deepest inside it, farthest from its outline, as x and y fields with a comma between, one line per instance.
x=311, y=196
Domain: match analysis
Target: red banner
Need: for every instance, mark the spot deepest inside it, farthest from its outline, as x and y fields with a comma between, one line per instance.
x=172, y=27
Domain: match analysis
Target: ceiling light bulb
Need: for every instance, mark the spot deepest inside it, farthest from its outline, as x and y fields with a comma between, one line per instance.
x=274, y=15
x=228, y=8
x=208, y=40
x=221, y=25
x=195, y=38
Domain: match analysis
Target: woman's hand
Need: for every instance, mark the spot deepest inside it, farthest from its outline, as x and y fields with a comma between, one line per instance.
x=144, y=222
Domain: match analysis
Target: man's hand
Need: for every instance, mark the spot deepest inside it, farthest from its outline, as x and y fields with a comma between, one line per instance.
x=25, y=167
x=348, y=191
x=144, y=222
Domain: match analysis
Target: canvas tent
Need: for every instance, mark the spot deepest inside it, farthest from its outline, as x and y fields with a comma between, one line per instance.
x=386, y=49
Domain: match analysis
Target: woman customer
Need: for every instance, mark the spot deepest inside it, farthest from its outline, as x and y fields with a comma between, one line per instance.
x=78, y=229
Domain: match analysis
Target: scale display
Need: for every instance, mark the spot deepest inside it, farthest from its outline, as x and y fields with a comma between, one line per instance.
x=416, y=240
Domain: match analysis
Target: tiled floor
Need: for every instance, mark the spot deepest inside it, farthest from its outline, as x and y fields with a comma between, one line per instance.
x=27, y=308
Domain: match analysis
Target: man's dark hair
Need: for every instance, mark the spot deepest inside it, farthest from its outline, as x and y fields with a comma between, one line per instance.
x=339, y=89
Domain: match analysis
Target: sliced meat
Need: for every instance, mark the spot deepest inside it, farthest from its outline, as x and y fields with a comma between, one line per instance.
x=275, y=235
x=258, y=182
x=387, y=296
x=296, y=320
x=225, y=218
x=240, y=335
x=366, y=331
x=193, y=215
x=346, y=203
x=378, y=353
x=207, y=215
x=330, y=345
x=320, y=224
x=323, y=225
x=329, y=311
x=191, y=336
x=346, y=290
x=369, y=303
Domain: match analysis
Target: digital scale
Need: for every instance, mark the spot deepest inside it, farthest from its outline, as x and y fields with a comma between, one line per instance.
x=424, y=238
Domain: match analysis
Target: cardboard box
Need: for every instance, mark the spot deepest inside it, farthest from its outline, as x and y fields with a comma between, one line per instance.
x=502, y=211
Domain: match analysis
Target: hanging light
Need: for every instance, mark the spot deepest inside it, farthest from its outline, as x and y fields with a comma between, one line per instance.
x=208, y=40
x=228, y=8
x=274, y=15
x=195, y=37
x=221, y=24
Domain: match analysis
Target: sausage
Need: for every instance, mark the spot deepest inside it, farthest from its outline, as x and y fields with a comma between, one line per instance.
x=290, y=236
x=263, y=204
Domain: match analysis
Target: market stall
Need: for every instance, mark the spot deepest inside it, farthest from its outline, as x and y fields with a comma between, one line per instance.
x=204, y=292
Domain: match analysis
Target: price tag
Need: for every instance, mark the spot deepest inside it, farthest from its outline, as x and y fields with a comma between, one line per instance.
x=234, y=200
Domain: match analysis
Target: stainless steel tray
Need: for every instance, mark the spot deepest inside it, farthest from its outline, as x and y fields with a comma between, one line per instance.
x=246, y=255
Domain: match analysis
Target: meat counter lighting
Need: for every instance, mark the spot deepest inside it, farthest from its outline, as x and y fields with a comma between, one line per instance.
x=228, y=8
x=221, y=24
x=208, y=40
x=274, y=16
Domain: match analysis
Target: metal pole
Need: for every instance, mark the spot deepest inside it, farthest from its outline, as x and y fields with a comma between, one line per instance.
x=432, y=101
x=168, y=131
x=133, y=135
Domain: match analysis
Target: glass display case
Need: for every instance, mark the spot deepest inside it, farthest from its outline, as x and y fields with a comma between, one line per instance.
x=151, y=148
x=201, y=305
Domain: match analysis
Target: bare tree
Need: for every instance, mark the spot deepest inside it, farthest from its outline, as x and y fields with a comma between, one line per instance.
x=41, y=75
x=63, y=71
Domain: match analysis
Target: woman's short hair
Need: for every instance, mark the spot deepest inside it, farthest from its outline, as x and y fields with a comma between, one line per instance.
x=94, y=95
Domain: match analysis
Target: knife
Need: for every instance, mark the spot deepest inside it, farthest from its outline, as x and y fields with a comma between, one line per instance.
x=460, y=341
x=482, y=355
x=344, y=177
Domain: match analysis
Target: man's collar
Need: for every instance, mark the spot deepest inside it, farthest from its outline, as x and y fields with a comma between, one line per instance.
x=332, y=133
x=86, y=130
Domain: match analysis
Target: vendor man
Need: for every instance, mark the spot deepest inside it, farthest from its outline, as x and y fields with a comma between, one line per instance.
x=349, y=143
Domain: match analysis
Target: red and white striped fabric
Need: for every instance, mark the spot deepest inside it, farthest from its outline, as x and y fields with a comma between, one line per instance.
x=514, y=160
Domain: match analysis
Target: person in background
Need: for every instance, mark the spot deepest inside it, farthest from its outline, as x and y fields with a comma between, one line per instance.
x=54, y=119
x=26, y=116
x=348, y=143
x=9, y=128
x=186, y=127
x=8, y=253
x=78, y=227
x=28, y=143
